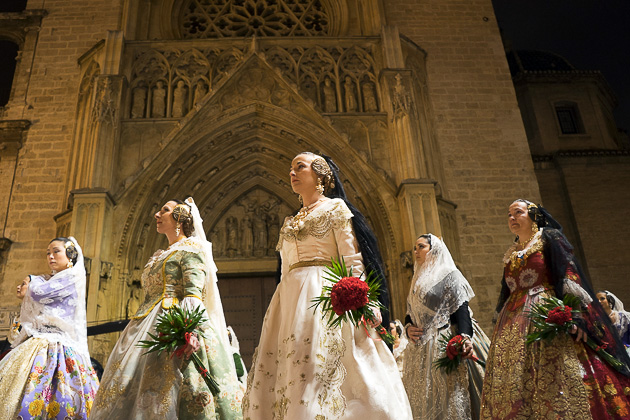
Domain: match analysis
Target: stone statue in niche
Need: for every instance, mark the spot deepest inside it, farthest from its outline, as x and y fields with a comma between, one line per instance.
x=401, y=99
x=247, y=237
x=231, y=242
x=139, y=101
x=330, y=96
x=201, y=90
x=260, y=232
x=158, y=101
x=180, y=94
x=273, y=228
x=369, y=97
x=350, y=96
x=134, y=300
x=218, y=245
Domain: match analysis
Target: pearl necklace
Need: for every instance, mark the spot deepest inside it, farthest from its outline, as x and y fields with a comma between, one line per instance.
x=298, y=220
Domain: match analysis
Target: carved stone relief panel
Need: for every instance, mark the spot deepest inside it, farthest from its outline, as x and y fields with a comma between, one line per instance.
x=250, y=227
x=336, y=79
x=246, y=18
x=168, y=83
x=370, y=137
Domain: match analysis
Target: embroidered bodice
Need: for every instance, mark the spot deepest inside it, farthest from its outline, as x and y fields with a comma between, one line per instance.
x=172, y=275
x=326, y=233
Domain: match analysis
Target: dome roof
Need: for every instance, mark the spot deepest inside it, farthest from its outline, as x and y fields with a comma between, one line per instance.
x=536, y=60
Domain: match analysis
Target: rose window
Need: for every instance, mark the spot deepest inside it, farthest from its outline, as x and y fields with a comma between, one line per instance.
x=244, y=18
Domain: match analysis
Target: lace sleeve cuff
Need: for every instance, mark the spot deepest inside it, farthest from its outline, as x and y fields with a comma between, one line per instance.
x=572, y=288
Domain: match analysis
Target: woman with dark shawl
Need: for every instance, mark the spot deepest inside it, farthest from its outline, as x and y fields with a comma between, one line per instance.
x=562, y=378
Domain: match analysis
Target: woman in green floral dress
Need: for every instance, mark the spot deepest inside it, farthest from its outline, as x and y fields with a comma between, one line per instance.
x=150, y=386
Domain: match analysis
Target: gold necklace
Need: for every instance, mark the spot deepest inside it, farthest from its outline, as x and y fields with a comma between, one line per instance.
x=298, y=220
x=522, y=244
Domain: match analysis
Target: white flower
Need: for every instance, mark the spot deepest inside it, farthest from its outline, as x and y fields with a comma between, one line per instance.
x=528, y=277
x=46, y=301
x=511, y=282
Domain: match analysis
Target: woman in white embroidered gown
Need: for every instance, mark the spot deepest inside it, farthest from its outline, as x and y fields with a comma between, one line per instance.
x=302, y=369
x=436, y=305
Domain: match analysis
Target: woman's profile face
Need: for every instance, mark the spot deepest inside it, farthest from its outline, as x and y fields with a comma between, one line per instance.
x=56, y=256
x=22, y=288
x=303, y=178
x=164, y=221
x=603, y=301
x=421, y=249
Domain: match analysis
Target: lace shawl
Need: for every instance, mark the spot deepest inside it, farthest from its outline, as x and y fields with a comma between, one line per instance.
x=438, y=289
x=54, y=307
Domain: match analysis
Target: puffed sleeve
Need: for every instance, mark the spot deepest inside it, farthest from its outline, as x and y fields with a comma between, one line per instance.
x=194, y=277
x=347, y=246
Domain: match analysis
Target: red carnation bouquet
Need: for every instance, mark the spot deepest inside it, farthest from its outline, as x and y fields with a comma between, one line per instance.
x=175, y=328
x=552, y=316
x=452, y=347
x=350, y=299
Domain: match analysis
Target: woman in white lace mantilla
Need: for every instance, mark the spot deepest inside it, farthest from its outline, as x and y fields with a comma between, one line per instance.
x=438, y=304
x=139, y=386
x=303, y=369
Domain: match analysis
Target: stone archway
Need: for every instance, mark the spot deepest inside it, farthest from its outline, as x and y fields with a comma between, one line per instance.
x=232, y=155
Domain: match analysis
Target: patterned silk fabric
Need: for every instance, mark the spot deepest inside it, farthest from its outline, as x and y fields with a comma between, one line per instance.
x=558, y=379
x=138, y=386
x=304, y=370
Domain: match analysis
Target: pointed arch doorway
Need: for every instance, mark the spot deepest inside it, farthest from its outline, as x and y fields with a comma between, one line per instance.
x=232, y=154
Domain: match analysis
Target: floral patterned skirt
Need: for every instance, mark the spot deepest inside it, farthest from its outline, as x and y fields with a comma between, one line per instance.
x=139, y=386
x=45, y=380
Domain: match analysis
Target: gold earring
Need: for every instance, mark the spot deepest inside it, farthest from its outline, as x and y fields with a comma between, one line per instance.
x=319, y=187
x=69, y=265
x=534, y=227
x=177, y=229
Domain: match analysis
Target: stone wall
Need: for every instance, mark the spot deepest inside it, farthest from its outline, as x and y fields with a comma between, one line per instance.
x=478, y=126
x=69, y=30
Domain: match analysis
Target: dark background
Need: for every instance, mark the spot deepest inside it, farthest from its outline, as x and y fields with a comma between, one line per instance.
x=590, y=34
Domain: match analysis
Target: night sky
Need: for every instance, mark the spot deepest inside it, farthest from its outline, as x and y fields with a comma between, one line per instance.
x=590, y=34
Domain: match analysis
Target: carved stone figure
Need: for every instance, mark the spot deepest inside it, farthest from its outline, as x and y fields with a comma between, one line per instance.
x=201, y=90
x=350, y=96
x=231, y=229
x=139, y=101
x=218, y=246
x=274, y=230
x=260, y=233
x=330, y=97
x=369, y=97
x=158, y=101
x=180, y=95
x=247, y=237
x=134, y=300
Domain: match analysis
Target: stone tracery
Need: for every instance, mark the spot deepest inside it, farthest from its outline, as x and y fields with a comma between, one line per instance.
x=244, y=18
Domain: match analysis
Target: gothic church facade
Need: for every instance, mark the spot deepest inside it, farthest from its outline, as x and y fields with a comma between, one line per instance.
x=118, y=106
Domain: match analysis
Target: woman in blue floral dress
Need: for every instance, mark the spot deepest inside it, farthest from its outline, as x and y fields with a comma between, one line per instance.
x=48, y=374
